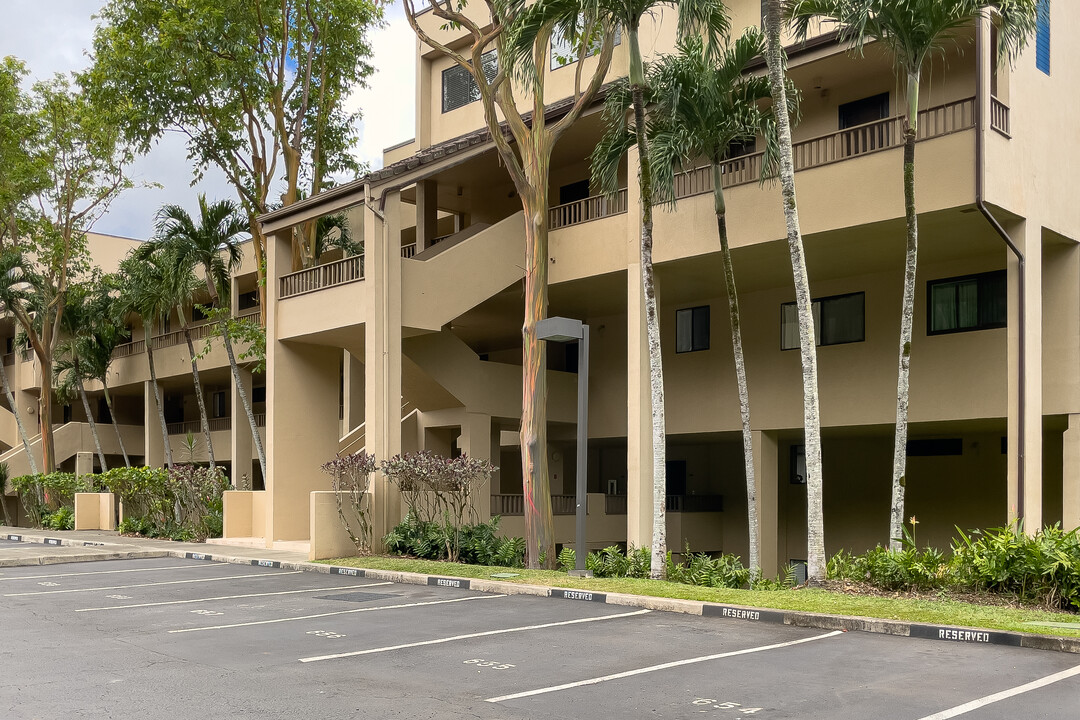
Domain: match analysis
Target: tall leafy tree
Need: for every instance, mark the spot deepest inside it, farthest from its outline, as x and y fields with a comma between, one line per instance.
x=210, y=244
x=705, y=106
x=707, y=18
x=776, y=60
x=520, y=34
x=24, y=170
x=258, y=88
x=95, y=348
x=913, y=32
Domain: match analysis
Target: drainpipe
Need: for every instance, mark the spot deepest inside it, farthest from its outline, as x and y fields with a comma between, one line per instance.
x=980, y=177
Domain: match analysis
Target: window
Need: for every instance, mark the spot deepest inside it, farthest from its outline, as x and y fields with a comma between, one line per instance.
x=258, y=394
x=864, y=111
x=573, y=192
x=973, y=302
x=458, y=86
x=563, y=54
x=797, y=474
x=1042, y=37
x=837, y=320
x=221, y=408
x=692, y=329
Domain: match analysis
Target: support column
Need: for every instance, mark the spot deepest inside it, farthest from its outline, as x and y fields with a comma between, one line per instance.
x=302, y=424
x=240, y=434
x=153, y=444
x=382, y=356
x=427, y=213
x=766, y=477
x=1028, y=236
x=639, y=451
x=476, y=443
x=1070, y=476
x=84, y=463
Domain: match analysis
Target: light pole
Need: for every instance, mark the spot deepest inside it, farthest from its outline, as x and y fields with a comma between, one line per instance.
x=560, y=329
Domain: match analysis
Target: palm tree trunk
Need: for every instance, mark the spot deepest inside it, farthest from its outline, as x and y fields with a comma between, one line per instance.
x=198, y=389
x=157, y=396
x=90, y=419
x=18, y=420
x=116, y=427
x=536, y=484
x=658, y=562
x=244, y=399
x=899, y=479
x=735, y=319
x=48, y=445
x=815, y=521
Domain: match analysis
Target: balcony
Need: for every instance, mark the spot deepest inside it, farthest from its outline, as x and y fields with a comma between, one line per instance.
x=512, y=505
x=586, y=210
x=321, y=276
x=198, y=332
x=999, y=117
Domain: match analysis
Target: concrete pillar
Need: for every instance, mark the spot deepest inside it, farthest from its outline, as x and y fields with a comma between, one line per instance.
x=353, y=393
x=427, y=213
x=1070, y=476
x=1028, y=236
x=243, y=448
x=766, y=472
x=302, y=425
x=154, y=453
x=382, y=355
x=639, y=475
x=475, y=442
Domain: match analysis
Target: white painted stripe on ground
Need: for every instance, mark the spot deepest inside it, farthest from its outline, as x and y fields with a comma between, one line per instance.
x=111, y=572
x=486, y=633
x=338, y=612
x=248, y=576
x=1004, y=695
x=229, y=597
x=662, y=666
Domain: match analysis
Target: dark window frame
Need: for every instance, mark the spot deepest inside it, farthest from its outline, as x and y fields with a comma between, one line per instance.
x=931, y=284
x=823, y=300
x=474, y=91
x=882, y=100
x=696, y=344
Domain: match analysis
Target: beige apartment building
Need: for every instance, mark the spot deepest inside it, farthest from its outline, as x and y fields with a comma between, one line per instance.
x=416, y=343
x=132, y=393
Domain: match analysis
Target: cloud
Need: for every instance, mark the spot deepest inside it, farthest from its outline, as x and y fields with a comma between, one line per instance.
x=53, y=36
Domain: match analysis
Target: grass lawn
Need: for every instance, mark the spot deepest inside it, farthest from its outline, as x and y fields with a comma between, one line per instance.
x=939, y=612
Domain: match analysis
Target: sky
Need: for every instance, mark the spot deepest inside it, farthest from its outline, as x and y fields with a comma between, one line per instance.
x=53, y=36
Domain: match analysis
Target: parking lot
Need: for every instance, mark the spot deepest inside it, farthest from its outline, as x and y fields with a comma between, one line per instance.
x=167, y=638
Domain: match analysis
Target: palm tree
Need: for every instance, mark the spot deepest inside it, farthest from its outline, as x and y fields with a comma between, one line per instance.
x=143, y=282
x=707, y=18
x=183, y=288
x=96, y=353
x=815, y=518
x=212, y=243
x=704, y=106
x=9, y=290
x=913, y=31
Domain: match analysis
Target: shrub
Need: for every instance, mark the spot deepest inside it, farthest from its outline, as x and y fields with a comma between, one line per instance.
x=143, y=491
x=479, y=543
x=350, y=478
x=41, y=494
x=61, y=519
x=181, y=504
x=724, y=571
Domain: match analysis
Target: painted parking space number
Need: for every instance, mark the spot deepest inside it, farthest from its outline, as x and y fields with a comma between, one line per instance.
x=325, y=634
x=49, y=584
x=206, y=612
x=714, y=704
x=118, y=597
x=493, y=664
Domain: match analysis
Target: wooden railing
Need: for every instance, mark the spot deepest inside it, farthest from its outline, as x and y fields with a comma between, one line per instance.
x=591, y=208
x=614, y=504
x=695, y=503
x=254, y=315
x=183, y=428
x=835, y=147
x=129, y=349
x=219, y=424
x=999, y=117
x=408, y=251
x=322, y=276
x=260, y=419
x=198, y=332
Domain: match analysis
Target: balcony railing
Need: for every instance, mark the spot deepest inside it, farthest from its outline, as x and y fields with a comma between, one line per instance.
x=999, y=117
x=835, y=147
x=129, y=349
x=9, y=359
x=183, y=428
x=260, y=419
x=198, y=332
x=695, y=503
x=515, y=504
x=591, y=208
x=614, y=504
x=219, y=424
x=408, y=251
x=322, y=276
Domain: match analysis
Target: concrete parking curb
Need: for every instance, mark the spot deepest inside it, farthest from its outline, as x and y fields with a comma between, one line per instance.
x=943, y=633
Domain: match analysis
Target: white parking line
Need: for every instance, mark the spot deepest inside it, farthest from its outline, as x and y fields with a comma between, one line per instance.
x=470, y=635
x=338, y=612
x=230, y=597
x=110, y=572
x=249, y=576
x=662, y=666
x=1004, y=695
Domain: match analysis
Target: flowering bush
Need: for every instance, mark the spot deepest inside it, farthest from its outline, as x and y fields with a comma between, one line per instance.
x=351, y=477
